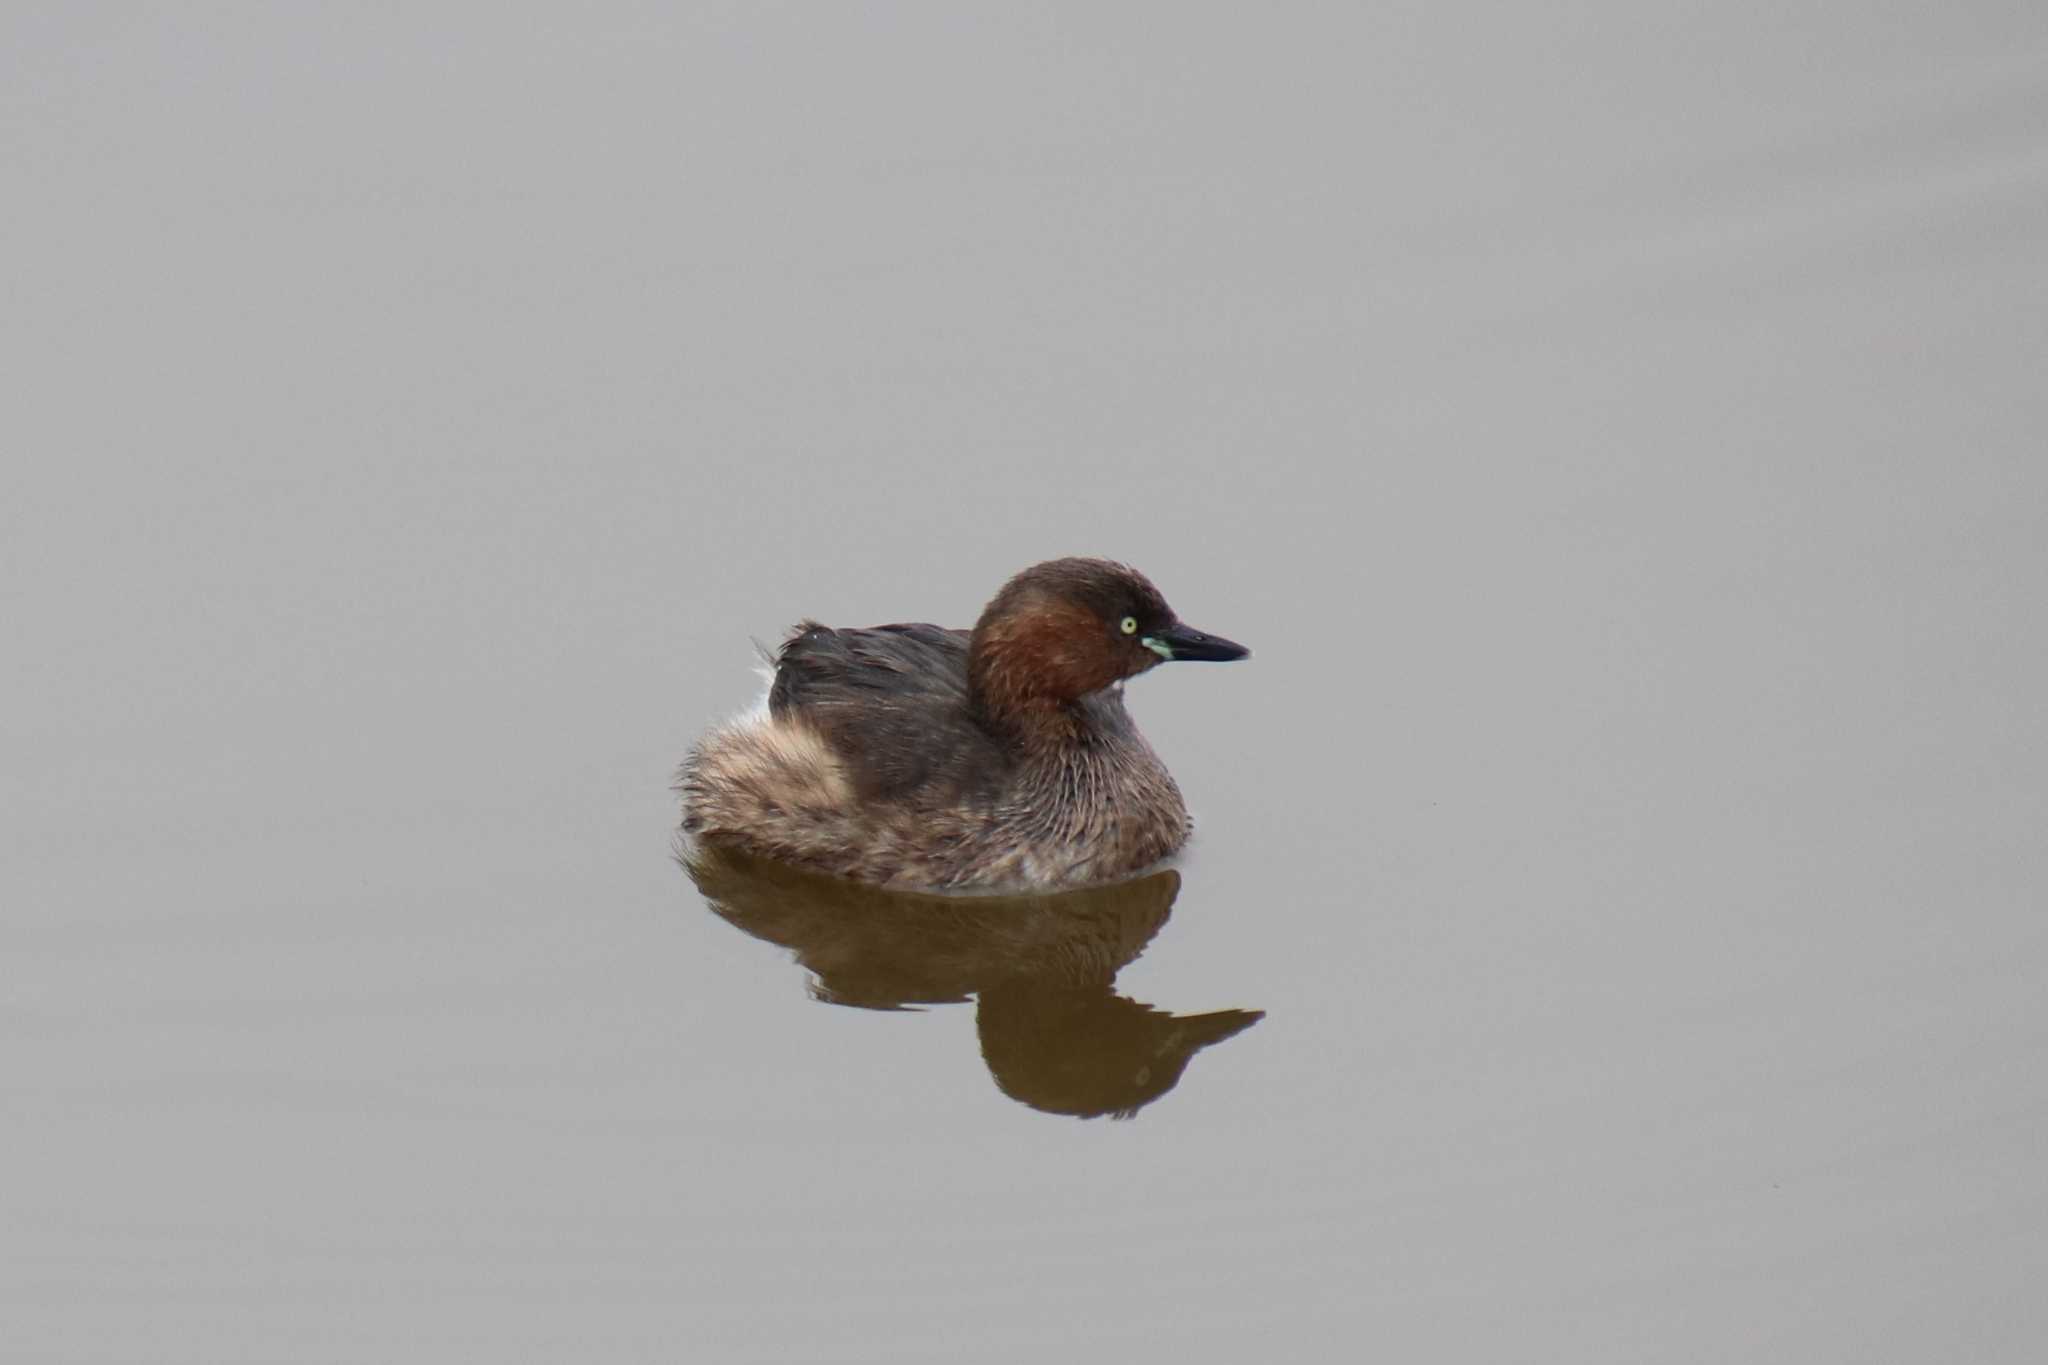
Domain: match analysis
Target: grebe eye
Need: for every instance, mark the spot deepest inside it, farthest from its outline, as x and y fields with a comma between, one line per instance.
x=1130, y=625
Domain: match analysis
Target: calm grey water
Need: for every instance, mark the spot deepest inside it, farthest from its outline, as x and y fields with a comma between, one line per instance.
x=1618, y=431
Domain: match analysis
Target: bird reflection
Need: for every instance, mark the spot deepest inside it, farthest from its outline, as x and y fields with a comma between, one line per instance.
x=1054, y=1033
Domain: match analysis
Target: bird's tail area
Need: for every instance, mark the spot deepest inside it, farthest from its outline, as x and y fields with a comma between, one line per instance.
x=770, y=785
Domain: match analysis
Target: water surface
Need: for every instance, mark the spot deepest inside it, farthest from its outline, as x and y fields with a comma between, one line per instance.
x=1613, y=930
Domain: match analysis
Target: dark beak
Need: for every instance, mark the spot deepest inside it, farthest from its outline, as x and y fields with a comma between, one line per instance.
x=1178, y=642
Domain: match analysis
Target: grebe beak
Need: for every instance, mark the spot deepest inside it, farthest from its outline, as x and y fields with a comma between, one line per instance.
x=1178, y=642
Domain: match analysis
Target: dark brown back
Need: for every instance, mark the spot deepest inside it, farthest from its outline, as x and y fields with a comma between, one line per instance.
x=892, y=701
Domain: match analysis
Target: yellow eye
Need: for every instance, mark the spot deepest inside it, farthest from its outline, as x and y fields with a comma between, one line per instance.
x=1130, y=625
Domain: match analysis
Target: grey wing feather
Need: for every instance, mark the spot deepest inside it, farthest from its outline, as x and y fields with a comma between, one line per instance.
x=892, y=701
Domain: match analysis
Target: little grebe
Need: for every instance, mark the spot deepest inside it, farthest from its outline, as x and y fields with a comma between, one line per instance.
x=997, y=758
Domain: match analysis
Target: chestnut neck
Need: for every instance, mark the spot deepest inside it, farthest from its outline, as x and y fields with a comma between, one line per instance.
x=1028, y=665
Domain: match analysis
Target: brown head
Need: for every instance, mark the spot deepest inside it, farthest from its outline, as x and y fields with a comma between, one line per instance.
x=1068, y=627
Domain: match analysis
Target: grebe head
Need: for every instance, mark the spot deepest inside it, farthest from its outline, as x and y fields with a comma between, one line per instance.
x=1067, y=627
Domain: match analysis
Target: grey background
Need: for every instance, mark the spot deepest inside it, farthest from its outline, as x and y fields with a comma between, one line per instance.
x=1617, y=429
